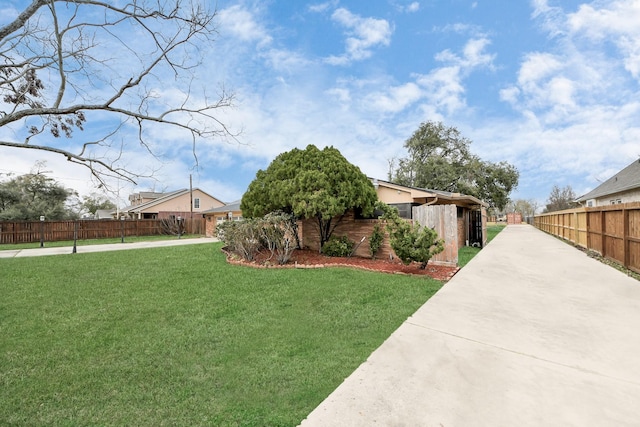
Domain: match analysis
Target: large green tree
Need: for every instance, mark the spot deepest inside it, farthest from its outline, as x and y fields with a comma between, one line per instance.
x=310, y=184
x=439, y=158
x=95, y=202
x=27, y=197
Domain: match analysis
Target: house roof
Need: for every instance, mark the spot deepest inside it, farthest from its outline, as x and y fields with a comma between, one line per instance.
x=417, y=192
x=627, y=179
x=148, y=194
x=104, y=213
x=229, y=207
x=163, y=198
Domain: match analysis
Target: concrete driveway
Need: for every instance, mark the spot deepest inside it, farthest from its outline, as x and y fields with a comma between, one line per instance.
x=531, y=332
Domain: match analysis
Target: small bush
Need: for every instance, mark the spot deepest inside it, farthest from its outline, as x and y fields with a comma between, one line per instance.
x=241, y=237
x=375, y=241
x=278, y=230
x=411, y=242
x=338, y=246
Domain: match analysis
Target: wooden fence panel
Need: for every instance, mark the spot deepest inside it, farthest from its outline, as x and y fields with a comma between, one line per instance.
x=443, y=219
x=612, y=231
x=614, y=236
x=53, y=231
x=581, y=229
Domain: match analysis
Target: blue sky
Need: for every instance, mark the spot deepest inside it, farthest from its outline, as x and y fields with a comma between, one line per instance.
x=552, y=87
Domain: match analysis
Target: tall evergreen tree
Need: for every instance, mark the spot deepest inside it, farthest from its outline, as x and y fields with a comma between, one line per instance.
x=310, y=183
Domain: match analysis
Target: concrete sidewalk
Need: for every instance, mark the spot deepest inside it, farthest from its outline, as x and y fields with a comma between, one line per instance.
x=531, y=332
x=17, y=253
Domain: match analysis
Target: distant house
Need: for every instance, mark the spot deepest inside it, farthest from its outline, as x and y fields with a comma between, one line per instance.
x=623, y=187
x=228, y=212
x=180, y=203
x=105, y=214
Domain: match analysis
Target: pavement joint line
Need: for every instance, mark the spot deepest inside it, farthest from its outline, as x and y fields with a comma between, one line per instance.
x=577, y=368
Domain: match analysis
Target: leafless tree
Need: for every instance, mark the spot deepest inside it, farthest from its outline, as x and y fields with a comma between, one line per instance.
x=67, y=65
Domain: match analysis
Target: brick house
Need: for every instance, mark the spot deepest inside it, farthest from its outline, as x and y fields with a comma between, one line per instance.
x=459, y=219
x=228, y=212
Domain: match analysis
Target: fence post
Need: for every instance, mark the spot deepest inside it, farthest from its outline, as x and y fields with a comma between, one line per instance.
x=42, y=231
x=75, y=235
x=625, y=237
x=603, y=238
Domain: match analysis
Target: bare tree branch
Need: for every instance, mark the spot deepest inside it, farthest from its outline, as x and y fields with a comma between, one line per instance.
x=61, y=60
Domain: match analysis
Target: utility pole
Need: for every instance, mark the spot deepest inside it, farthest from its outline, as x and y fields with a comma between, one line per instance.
x=191, y=194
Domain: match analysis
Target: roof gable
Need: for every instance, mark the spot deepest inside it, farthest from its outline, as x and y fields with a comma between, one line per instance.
x=166, y=197
x=627, y=179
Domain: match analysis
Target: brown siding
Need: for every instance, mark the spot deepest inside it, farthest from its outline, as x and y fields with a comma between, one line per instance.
x=462, y=232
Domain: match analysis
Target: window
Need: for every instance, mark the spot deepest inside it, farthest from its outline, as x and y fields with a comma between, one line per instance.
x=404, y=209
x=590, y=203
x=619, y=201
x=196, y=203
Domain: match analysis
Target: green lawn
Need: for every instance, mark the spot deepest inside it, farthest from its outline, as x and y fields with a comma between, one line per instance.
x=466, y=253
x=175, y=336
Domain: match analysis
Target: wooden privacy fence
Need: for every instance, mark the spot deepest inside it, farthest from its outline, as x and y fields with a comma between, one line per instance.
x=52, y=231
x=612, y=231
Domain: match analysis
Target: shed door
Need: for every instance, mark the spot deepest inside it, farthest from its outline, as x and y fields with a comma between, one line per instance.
x=475, y=228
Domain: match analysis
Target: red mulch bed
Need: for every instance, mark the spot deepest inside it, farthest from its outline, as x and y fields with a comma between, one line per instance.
x=304, y=258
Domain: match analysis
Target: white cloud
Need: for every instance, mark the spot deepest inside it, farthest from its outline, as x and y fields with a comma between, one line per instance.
x=239, y=22
x=510, y=94
x=616, y=22
x=444, y=86
x=395, y=99
x=536, y=67
x=413, y=7
x=363, y=35
x=341, y=94
x=323, y=7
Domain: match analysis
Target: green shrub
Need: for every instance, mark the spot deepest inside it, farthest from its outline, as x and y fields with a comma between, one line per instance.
x=279, y=232
x=375, y=241
x=241, y=237
x=338, y=246
x=411, y=242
